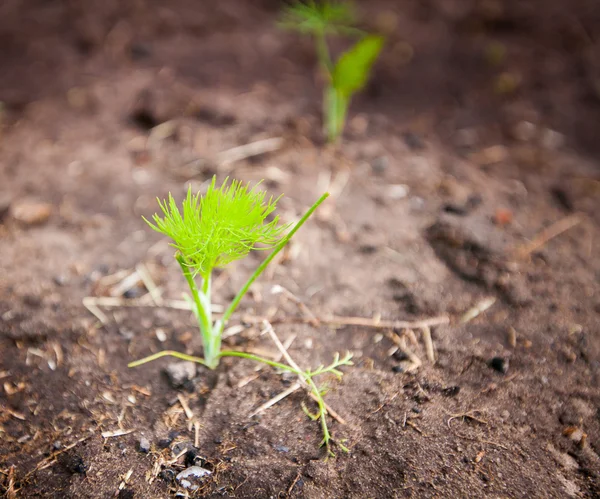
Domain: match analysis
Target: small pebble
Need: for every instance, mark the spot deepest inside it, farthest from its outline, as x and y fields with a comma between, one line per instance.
x=144, y=445
x=126, y=494
x=193, y=458
x=180, y=447
x=180, y=372
x=168, y=475
x=380, y=165
x=281, y=448
x=499, y=364
x=397, y=191
x=31, y=213
x=451, y=391
x=193, y=477
x=525, y=131
x=413, y=141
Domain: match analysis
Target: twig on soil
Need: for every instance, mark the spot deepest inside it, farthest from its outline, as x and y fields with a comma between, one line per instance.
x=374, y=322
x=186, y=408
x=554, y=230
x=311, y=318
x=469, y=415
x=115, y=302
x=117, y=433
x=124, y=481
x=93, y=304
x=126, y=284
x=291, y=487
x=479, y=440
x=379, y=324
x=51, y=459
x=152, y=288
x=416, y=428
x=11, y=493
x=196, y=434
x=400, y=342
x=89, y=302
x=277, y=398
x=245, y=151
x=428, y=344
x=480, y=307
x=268, y=328
x=385, y=402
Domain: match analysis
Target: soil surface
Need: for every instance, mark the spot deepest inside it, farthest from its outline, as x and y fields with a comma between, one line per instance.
x=467, y=186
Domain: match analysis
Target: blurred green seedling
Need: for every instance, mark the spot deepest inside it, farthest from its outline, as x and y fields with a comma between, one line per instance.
x=212, y=230
x=350, y=73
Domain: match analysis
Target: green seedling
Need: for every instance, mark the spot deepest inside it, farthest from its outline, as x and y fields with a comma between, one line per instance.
x=213, y=230
x=350, y=72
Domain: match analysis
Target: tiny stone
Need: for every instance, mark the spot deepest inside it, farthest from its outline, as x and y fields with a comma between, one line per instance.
x=126, y=494
x=57, y=445
x=31, y=213
x=192, y=477
x=192, y=458
x=413, y=141
x=144, y=445
x=451, y=391
x=134, y=292
x=551, y=139
x=380, y=165
x=281, y=448
x=180, y=372
x=525, y=131
x=168, y=475
x=60, y=280
x=397, y=191
x=499, y=364
x=161, y=335
x=180, y=447
x=491, y=155
x=466, y=137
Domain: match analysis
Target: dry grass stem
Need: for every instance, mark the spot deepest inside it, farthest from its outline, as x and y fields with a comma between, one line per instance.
x=275, y=400
x=245, y=151
x=428, y=344
x=554, y=230
x=186, y=408
x=152, y=288
x=477, y=310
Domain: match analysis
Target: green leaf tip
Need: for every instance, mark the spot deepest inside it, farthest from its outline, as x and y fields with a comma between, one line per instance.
x=221, y=226
x=353, y=67
x=314, y=18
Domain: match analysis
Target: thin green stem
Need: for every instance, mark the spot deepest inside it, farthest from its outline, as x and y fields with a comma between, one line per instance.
x=167, y=353
x=203, y=308
x=256, y=358
x=236, y=301
x=323, y=53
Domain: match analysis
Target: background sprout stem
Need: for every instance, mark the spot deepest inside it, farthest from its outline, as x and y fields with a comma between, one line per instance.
x=347, y=75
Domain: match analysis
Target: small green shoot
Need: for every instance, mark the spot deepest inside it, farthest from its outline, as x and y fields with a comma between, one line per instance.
x=349, y=74
x=213, y=230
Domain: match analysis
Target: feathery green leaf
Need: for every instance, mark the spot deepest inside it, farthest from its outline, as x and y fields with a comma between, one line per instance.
x=221, y=226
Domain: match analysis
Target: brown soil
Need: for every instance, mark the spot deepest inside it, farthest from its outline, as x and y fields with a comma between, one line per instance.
x=108, y=104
